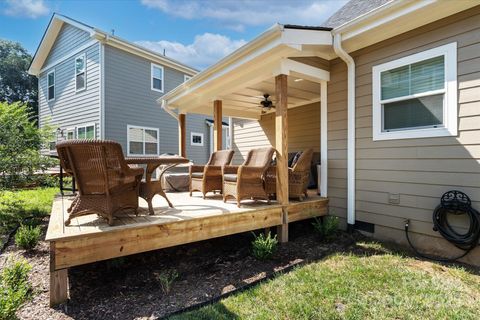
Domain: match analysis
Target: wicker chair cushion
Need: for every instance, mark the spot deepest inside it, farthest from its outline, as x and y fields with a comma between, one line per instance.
x=198, y=175
x=230, y=177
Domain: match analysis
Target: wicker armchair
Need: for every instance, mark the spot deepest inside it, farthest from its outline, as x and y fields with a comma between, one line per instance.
x=247, y=181
x=209, y=177
x=298, y=177
x=106, y=183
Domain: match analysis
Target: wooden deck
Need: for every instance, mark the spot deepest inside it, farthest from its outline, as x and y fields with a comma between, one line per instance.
x=89, y=238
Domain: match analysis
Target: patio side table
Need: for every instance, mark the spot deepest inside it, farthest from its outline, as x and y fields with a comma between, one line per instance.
x=149, y=188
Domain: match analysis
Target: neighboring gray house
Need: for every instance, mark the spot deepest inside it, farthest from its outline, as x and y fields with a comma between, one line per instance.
x=95, y=85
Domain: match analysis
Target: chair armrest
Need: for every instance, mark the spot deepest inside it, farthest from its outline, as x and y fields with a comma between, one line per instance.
x=195, y=168
x=230, y=169
x=250, y=173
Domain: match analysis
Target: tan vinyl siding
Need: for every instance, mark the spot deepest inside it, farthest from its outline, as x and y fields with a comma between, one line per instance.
x=303, y=131
x=420, y=170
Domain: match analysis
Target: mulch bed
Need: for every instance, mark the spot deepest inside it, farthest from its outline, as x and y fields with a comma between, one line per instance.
x=129, y=287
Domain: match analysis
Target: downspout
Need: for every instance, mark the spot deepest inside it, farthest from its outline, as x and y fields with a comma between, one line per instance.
x=337, y=46
x=170, y=112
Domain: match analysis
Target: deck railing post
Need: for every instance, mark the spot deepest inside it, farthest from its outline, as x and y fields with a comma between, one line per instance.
x=281, y=145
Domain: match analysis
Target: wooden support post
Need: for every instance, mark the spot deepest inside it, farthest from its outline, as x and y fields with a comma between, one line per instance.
x=281, y=144
x=217, y=125
x=182, y=135
x=58, y=281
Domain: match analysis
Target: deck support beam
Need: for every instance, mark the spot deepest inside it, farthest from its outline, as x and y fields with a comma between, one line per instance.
x=182, y=135
x=217, y=125
x=281, y=145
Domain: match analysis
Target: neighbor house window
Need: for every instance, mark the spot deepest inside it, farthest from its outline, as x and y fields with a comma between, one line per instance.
x=51, y=85
x=80, y=73
x=416, y=96
x=157, y=77
x=85, y=132
x=142, y=141
x=186, y=78
x=70, y=134
x=196, y=139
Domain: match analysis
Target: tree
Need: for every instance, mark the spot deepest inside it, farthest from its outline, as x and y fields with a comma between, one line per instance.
x=15, y=82
x=20, y=144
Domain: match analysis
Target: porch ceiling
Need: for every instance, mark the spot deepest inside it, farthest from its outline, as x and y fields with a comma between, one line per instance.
x=241, y=81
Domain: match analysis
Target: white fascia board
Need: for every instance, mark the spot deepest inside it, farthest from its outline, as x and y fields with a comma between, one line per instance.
x=306, y=37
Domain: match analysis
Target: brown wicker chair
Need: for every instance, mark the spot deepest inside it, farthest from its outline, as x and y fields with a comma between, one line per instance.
x=209, y=177
x=247, y=181
x=106, y=183
x=298, y=177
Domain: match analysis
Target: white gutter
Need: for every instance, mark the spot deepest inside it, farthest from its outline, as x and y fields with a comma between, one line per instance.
x=167, y=110
x=337, y=46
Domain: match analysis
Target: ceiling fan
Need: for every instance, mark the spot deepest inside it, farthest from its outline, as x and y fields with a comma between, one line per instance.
x=266, y=103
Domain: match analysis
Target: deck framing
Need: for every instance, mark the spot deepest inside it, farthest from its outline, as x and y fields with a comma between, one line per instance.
x=121, y=241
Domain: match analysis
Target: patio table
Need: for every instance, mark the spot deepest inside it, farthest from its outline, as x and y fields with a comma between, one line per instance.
x=149, y=188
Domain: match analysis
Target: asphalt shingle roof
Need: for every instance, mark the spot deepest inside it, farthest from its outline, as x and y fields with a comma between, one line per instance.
x=352, y=10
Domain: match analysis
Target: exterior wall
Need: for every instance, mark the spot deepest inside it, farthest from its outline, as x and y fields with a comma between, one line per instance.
x=70, y=108
x=196, y=123
x=129, y=100
x=420, y=170
x=303, y=131
x=68, y=39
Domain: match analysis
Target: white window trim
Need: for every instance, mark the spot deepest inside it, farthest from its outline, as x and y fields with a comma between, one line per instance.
x=153, y=65
x=143, y=154
x=71, y=129
x=186, y=77
x=54, y=85
x=194, y=143
x=84, y=56
x=85, y=126
x=450, y=116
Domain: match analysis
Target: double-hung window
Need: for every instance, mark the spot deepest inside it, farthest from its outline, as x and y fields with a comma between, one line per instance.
x=416, y=96
x=86, y=132
x=51, y=85
x=157, y=77
x=80, y=73
x=142, y=141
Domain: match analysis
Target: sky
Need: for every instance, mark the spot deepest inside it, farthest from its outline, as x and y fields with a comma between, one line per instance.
x=197, y=33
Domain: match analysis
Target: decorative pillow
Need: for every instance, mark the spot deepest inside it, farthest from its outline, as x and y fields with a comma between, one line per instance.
x=295, y=159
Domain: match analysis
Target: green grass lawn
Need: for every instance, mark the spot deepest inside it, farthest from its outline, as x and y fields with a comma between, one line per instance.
x=346, y=286
x=17, y=205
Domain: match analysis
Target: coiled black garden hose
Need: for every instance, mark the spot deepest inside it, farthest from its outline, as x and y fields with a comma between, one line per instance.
x=453, y=203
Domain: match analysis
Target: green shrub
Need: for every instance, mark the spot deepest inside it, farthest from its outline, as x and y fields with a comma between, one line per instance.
x=263, y=247
x=166, y=279
x=20, y=143
x=326, y=229
x=14, y=287
x=27, y=237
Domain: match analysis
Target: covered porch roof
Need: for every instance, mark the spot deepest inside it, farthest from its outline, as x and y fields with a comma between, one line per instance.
x=241, y=79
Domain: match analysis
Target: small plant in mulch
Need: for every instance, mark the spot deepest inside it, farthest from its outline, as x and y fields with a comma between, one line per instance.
x=166, y=279
x=264, y=246
x=327, y=228
x=14, y=287
x=27, y=237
